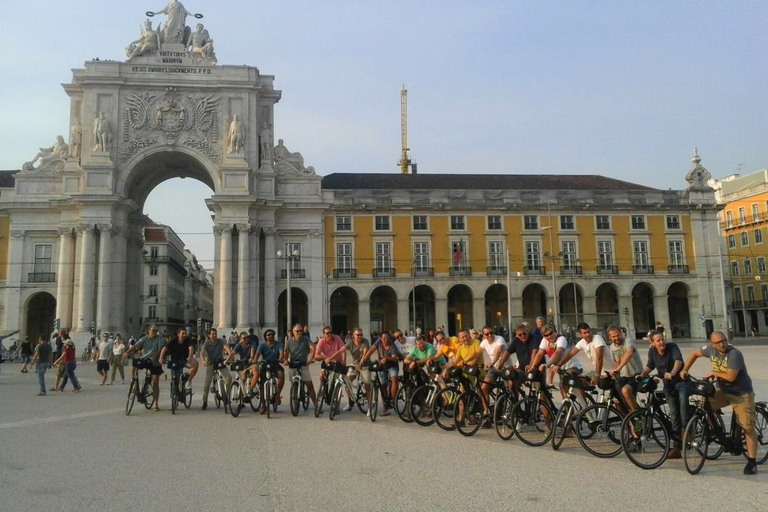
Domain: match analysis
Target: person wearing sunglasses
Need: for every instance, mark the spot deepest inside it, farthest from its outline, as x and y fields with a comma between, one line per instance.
x=524, y=346
x=551, y=350
x=300, y=350
x=150, y=347
x=357, y=347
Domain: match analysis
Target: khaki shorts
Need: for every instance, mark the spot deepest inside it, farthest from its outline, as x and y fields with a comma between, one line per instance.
x=303, y=371
x=743, y=407
x=365, y=374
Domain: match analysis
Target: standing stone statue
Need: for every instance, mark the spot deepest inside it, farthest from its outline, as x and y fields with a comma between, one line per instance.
x=175, y=28
x=202, y=46
x=101, y=134
x=266, y=143
x=75, y=137
x=236, y=136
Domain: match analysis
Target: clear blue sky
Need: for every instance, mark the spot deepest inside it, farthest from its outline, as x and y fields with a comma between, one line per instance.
x=618, y=88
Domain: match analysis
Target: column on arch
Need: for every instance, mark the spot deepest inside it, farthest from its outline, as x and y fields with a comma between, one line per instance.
x=104, y=291
x=225, y=278
x=118, y=272
x=243, y=276
x=65, y=278
x=217, y=268
x=270, y=267
x=87, y=275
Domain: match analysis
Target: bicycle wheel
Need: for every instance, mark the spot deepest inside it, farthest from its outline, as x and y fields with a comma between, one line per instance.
x=148, y=394
x=562, y=424
x=321, y=392
x=131, y=397
x=761, y=426
x=335, y=401
x=174, y=394
x=305, y=396
x=295, y=398
x=361, y=399
x=215, y=390
x=187, y=397
x=532, y=421
x=598, y=428
x=502, y=416
x=235, y=399
x=443, y=406
x=373, y=404
x=221, y=391
x=695, y=443
x=401, y=403
x=420, y=408
x=269, y=396
x=468, y=413
x=645, y=439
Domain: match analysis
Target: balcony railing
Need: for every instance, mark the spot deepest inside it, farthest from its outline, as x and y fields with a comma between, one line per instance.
x=344, y=273
x=607, y=269
x=739, y=222
x=42, y=277
x=642, y=269
x=570, y=270
x=494, y=270
x=460, y=271
x=535, y=270
x=736, y=304
x=296, y=273
x=678, y=269
x=383, y=272
x=422, y=271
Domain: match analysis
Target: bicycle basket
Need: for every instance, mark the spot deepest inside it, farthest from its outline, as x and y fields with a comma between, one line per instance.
x=510, y=374
x=455, y=372
x=646, y=386
x=703, y=388
x=605, y=382
x=533, y=376
x=266, y=367
x=337, y=367
x=142, y=364
x=472, y=371
x=434, y=367
x=176, y=365
x=295, y=365
x=376, y=367
x=572, y=381
x=219, y=365
x=237, y=366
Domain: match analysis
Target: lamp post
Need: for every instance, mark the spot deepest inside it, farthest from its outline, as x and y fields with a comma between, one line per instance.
x=509, y=297
x=575, y=297
x=288, y=259
x=413, y=292
x=553, y=259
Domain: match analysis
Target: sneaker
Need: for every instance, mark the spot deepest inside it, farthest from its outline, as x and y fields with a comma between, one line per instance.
x=262, y=409
x=42, y=393
x=674, y=454
x=386, y=412
x=547, y=431
x=205, y=406
x=54, y=389
x=109, y=383
x=348, y=407
x=76, y=390
x=187, y=385
x=634, y=445
x=367, y=413
x=122, y=382
x=750, y=468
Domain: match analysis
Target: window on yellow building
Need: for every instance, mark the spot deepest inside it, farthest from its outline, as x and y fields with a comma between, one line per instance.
x=758, y=236
x=734, y=268
x=566, y=222
x=605, y=255
x=344, y=223
x=673, y=222
x=602, y=222
x=530, y=222
x=383, y=256
x=747, y=267
x=344, y=257
x=729, y=218
x=420, y=223
x=731, y=241
x=638, y=222
x=532, y=256
x=761, y=265
x=457, y=222
x=742, y=215
x=744, y=239
x=494, y=222
x=381, y=222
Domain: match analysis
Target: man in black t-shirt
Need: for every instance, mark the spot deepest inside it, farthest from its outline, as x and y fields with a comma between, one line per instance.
x=181, y=348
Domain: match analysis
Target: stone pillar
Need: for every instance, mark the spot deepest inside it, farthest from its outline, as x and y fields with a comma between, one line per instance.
x=216, y=277
x=517, y=313
x=87, y=268
x=364, y=314
x=628, y=319
x=104, y=291
x=253, y=291
x=13, y=308
x=225, y=276
x=77, y=250
x=243, y=277
x=270, y=267
x=403, y=307
x=64, y=275
x=441, y=312
x=589, y=312
x=118, y=273
x=478, y=313
x=661, y=312
x=318, y=294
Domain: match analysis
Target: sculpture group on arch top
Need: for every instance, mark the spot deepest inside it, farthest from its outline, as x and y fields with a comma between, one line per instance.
x=171, y=116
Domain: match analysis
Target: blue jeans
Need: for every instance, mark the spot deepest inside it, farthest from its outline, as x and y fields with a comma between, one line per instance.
x=41, y=367
x=69, y=374
x=677, y=400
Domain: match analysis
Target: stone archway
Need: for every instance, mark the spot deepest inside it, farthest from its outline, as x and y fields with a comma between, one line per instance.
x=607, y=305
x=496, y=307
x=383, y=310
x=41, y=311
x=642, y=306
x=459, y=309
x=679, y=314
x=344, y=310
x=571, y=305
x=534, y=303
x=425, y=307
x=299, y=310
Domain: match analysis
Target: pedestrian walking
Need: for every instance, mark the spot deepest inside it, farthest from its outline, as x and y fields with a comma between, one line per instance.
x=105, y=355
x=26, y=355
x=118, y=347
x=42, y=358
x=68, y=359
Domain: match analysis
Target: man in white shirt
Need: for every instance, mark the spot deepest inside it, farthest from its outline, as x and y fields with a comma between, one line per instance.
x=552, y=348
x=105, y=355
x=493, y=347
x=596, y=349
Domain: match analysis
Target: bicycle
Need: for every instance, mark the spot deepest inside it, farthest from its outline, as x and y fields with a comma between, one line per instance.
x=340, y=383
x=143, y=394
x=179, y=393
x=570, y=407
x=505, y=403
x=706, y=426
x=238, y=396
x=599, y=431
x=444, y=403
x=409, y=382
x=219, y=386
x=324, y=389
x=423, y=397
x=469, y=415
x=299, y=395
x=373, y=401
x=268, y=380
x=646, y=433
x=534, y=415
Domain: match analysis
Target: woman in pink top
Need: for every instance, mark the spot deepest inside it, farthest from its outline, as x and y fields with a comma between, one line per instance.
x=68, y=358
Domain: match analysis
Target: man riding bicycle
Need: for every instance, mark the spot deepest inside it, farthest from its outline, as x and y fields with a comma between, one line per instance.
x=735, y=388
x=328, y=348
x=357, y=348
x=214, y=349
x=300, y=350
x=626, y=365
x=181, y=348
x=246, y=351
x=150, y=347
x=388, y=356
x=272, y=352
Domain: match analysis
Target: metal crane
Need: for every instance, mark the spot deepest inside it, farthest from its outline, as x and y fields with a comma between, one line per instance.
x=405, y=161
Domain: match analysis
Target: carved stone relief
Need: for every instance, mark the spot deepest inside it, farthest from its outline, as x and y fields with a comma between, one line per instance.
x=52, y=159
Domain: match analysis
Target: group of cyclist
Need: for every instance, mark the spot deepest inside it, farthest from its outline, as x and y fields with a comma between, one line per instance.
x=539, y=349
